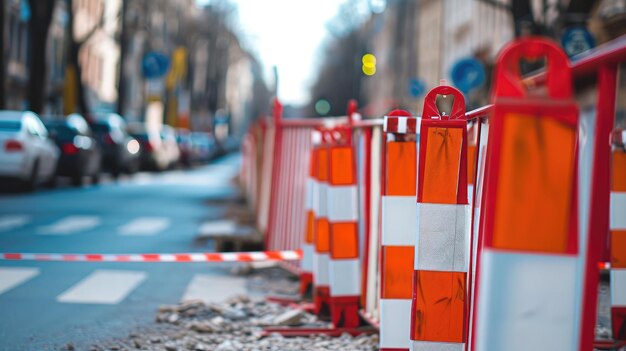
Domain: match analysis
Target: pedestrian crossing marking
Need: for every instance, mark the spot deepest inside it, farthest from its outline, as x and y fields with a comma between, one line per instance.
x=10, y=222
x=11, y=277
x=70, y=225
x=213, y=288
x=103, y=287
x=145, y=226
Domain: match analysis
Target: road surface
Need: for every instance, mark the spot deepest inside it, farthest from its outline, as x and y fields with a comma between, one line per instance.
x=45, y=305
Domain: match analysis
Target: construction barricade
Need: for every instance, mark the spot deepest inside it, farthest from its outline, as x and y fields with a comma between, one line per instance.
x=442, y=239
x=618, y=237
x=520, y=231
x=529, y=281
x=399, y=225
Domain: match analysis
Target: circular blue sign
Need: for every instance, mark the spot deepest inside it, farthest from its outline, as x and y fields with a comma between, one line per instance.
x=417, y=87
x=577, y=40
x=155, y=64
x=468, y=74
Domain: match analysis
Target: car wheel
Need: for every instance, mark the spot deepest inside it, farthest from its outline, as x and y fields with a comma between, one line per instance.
x=31, y=183
x=77, y=179
x=51, y=183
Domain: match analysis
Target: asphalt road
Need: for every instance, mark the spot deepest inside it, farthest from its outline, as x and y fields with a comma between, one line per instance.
x=46, y=305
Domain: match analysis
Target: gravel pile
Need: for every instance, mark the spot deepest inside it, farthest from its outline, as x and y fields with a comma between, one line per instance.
x=235, y=325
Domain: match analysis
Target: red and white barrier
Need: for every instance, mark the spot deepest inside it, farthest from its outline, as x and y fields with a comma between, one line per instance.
x=260, y=256
x=344, y=264
x=529, y=275
x=618, y=240
x=399, y=226
x=442, y=241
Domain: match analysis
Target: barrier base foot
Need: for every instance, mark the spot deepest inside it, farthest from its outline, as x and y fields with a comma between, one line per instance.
x=609, y=344
x=332, y=332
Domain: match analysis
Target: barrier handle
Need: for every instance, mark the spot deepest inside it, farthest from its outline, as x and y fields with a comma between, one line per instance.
x=430, y=107
x=508, y=80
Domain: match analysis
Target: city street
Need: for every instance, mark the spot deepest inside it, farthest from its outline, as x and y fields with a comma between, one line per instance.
x=46, y=305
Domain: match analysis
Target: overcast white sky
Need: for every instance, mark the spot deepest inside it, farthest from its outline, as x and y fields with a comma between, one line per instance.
x=287, y=34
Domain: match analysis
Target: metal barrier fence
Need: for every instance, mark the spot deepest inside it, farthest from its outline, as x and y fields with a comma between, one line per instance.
x=558, y=277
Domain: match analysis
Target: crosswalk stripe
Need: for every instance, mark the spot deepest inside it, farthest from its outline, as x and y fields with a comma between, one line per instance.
x=212, y=288
x=144, y=226
x=11, y=277
x=10, y=222
x=70, y=225
x=103, y=287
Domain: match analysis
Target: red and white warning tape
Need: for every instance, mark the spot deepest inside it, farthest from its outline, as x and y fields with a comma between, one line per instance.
x=259, y=256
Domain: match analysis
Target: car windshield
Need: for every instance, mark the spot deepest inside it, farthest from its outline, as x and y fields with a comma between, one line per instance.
x=61, y=131
x=100, y=128
x=10, y=126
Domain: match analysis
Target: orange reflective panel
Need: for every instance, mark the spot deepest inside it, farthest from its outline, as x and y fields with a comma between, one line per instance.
x=397, y=272
x=322, y=235
x=341, y=171
x=441, y=167
x=344, y=240
x=440, y=306
x=618, y=179
x=535, y=182
x=310, y=227
x=401, y=168
x=618, y=248
x=322, y=163
x=471, y=164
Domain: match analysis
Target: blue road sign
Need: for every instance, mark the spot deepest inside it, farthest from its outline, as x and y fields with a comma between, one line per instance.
x=155, y=65
x=468, y=74
x=576, y=40
x=417, y=87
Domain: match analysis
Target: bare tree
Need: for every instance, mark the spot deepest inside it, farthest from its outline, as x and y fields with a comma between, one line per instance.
x=3, y=65
x=41, y=16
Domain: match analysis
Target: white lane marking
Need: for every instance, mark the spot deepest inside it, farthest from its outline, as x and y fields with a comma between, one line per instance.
x=70, y=225
x=219, y=227
x=103, y=287
x=214, y=288
x=10, y=222
x=14, y=276
x=144, y=226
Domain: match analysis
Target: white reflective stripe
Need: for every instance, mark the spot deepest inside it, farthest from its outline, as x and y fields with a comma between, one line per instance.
x=395, y=320
x=345, y=279
x=399, y=223
x=618, y=210
x=320, y=269
x=197, y=257
x=527, y=302
x=307, y=257
x=315, y=196
x=443, y=237
x=436, y=346
x=385, y=123
x=258, y=256
x=618, y=287
x=402, y=124
x=342, y=203
x=309, y=197
x=290, y=255
x=229, y=257
x=322, y=200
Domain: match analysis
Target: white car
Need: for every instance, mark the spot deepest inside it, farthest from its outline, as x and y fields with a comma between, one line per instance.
x=26, y=153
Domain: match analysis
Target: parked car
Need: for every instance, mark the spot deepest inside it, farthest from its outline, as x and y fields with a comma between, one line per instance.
x=203, y=146
x=26, y=153
x=80, y=152
x=185, y=145
x=120, y=151
x=154, y=154
x=168, y=138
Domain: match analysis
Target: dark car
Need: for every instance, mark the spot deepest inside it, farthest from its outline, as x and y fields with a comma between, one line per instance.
x=120, y=150
x=185, y=145
x=203, y=147
x=80, y=153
